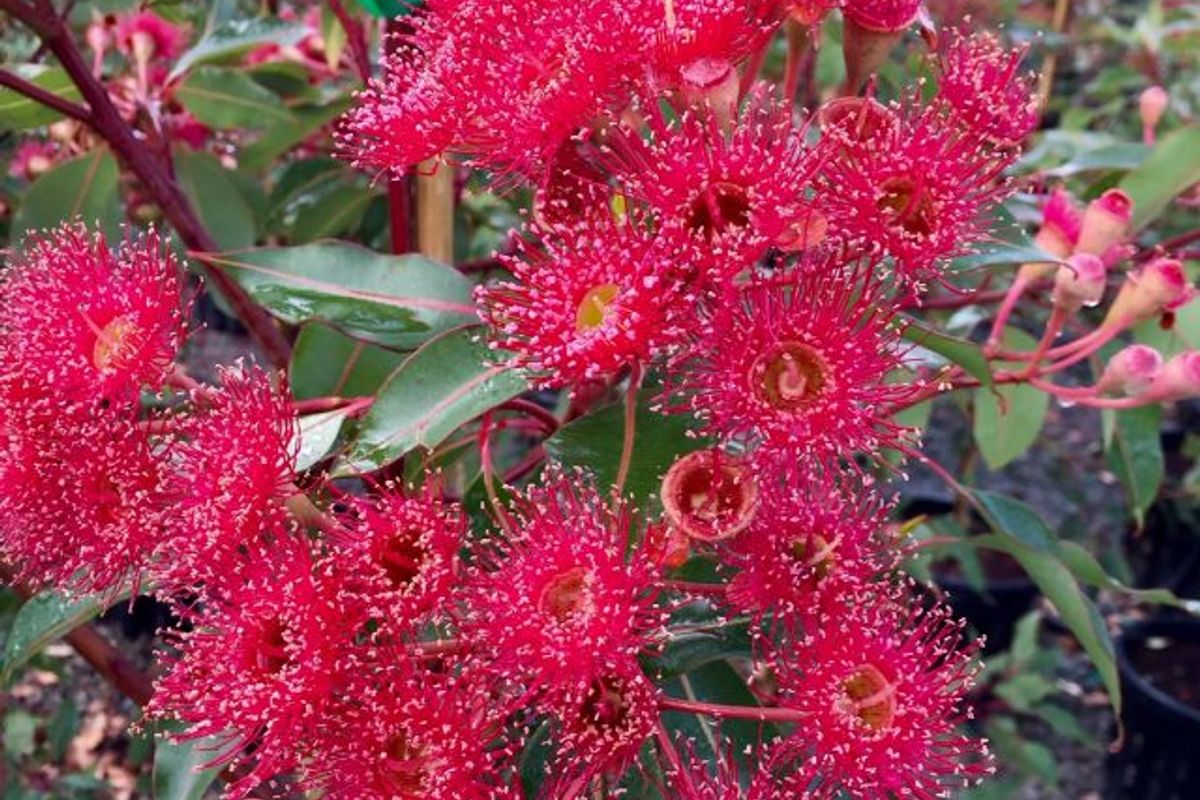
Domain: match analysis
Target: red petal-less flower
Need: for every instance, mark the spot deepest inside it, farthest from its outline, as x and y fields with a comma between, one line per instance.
x=589, y=298
x=980, y=81
x=799, y=366
x=601, y=720
x=81, y=498
x=564, y=598
x=232, y=473
x=881, y=680
x=92, y=324
x=400, y=732
x=257, y=669
x=736, y=194
x=816, y=537
x=400, y=555
x=918, y=192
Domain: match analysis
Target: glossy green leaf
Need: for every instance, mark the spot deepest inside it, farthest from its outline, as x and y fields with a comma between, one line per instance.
x=1173, y=166
x=179, y=772
x=228, y=98
x=1008, y=418
x=967, y=355
x=335, y=211
x=1088, y=570
x=1122, y=156
x=18, y=112
x=398, y=301
x=216, y=197
x=594, y=442
x=318, y=433
x=42, y=619
x=85, y=187
x=1135, y=454
x=1011, y=517
x=281, y=137
x=388, y=9
x=326, y=362
x=447, y=383
x=234, y=37
x=1000, y=254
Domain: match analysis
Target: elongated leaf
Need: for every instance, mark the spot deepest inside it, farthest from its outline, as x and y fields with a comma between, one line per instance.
x=179, y=772
x=1135, y=455
x=326, y=362
x=42, y=619
x=228, y=98
x=18, y=112
x=1011, y=517
x=216, y=198
x=447, y=383
x=967, y=355
x=1009, y=418
x=84, y=187
x=398, y=301
x=1120, y=156
x=388, y=9
x=1000, y=254
x=318, y=434
x=1087, y=570
x=595, y=442
x=1173, y=166
x=234, y=37
x=335, y=211
x=281, y=137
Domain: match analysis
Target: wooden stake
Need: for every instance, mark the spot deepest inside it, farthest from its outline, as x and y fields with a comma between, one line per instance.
x=435, y=211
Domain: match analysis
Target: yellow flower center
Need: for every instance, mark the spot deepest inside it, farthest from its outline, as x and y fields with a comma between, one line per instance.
x=112, y=343
x=869, y=697
x=595, y=307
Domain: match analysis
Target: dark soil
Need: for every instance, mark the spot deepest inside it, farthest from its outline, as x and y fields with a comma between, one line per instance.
x=1170, y=665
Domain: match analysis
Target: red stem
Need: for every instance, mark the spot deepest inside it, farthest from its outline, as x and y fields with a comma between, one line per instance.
x=732, y=712
x=356, y=38
x=48, y=99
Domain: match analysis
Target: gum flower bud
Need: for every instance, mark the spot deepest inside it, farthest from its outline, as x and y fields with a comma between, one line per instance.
x=1152, y=103
x=1157, y=287
x=1131, y=371
x=1079, y=283
x=712, y=83
x=709, y=495
x=1105, y=222
x=872, y=29
x=1179, y=379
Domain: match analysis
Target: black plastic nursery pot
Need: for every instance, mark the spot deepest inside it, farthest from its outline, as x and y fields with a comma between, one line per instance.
x=1159, y=662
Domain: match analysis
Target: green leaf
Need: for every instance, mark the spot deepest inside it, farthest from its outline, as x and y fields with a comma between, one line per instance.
x=997, y=254
x=84, y=187
x=1135, y=455
x=687, y=652
x=594, y=442
x=20, y=728
x=1023, y=690
x=967, y=355
x=18, y=112
x=1088, y=570
x=326, y=362
x=228, y=98
x=318, y=433
x=1011, y=517
x=447, y=383
x=234, y=37
x=1009, y=417
x=337, y=210
x=388, y=9
x=282, y=137
x=179, y=772
x=44, y=618
x=398, y=301
x=1122, y=156
x=216, y=198
x=1172, y=167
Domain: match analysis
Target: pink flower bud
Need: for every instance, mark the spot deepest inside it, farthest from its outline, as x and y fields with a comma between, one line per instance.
x=713, y=83
x=1131, y=371
x=1105, y=222
x=882, y=16
x=1159, y=286
x=1178, y=380
x=872, y=29
x=1062, y=222
x=1152, y=103
x=1080, y=282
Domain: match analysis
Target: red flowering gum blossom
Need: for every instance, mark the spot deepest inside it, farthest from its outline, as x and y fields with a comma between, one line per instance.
x=257, y=669
x=400, y=554
x=1158, y=287
x=601, y=720
x=735, y=193
x=145, y=35
x=1131, y=371
x=695, y=51
x=980, y=81
x=81, y=499
x=801, y=365
x=93, y=324
x=561, y=599
x=231, y=475
x=589, y=299
x=882, y=681
x=816, y=537
x=918, y=191
x=710, y=495
x=402, y=732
